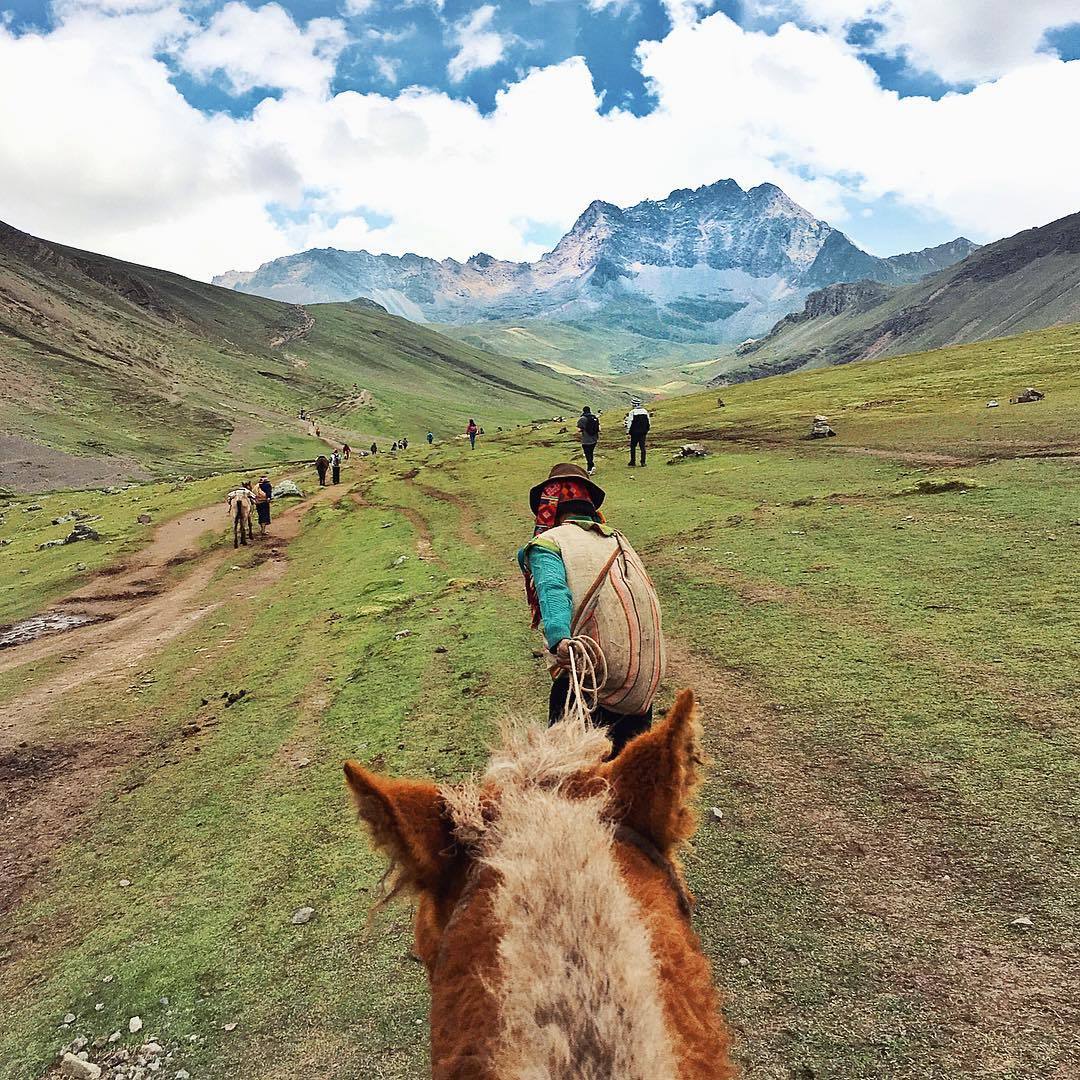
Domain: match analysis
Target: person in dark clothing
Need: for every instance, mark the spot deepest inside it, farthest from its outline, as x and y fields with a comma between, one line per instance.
x=346, y=451
x=322, y=463
x=430, y=437
x=335, y=467
x=263, y=496
x=637, y=427
x=589, y=426
x=374, y=448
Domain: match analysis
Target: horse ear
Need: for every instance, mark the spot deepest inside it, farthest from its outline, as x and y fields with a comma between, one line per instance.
x=654, y=779
x=406, y=822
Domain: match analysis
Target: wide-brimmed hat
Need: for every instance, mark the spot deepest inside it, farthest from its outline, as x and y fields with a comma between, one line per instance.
x=566, y=471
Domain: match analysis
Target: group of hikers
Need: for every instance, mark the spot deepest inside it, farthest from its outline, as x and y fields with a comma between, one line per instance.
x=587, y=590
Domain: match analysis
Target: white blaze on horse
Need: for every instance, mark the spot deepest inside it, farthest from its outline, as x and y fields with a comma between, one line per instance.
x=240, y=502
x=552, y=914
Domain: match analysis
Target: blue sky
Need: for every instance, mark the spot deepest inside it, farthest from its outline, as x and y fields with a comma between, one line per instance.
x=674, y=93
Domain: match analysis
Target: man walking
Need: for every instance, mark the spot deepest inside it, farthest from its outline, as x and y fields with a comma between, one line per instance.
x=589, y=591
x=589, y=426
x=335, y=467
x=637, y=427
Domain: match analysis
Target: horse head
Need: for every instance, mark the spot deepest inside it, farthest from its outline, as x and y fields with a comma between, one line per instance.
x=552, y=915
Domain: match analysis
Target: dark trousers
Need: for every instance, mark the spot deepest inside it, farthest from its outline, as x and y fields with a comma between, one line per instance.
x=620, y=729
x=336, y=474
x=635, y=442
x=589, y=449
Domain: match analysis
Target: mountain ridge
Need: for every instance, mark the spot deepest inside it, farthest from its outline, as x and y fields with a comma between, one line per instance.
x=714, y=264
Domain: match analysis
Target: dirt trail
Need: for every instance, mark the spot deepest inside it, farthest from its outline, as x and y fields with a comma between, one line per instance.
x=144, y=608
x=468, y=518
x=897, y=880
x=48, y=782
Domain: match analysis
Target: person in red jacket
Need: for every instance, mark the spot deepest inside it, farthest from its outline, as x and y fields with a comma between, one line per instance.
x=471, y=431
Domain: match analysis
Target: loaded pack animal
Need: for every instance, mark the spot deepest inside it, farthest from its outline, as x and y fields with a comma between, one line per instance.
x=551, y=911
x=240, y=502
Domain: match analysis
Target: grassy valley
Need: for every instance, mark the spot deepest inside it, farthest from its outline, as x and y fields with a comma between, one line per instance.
x=113, y=371
x=883, y=629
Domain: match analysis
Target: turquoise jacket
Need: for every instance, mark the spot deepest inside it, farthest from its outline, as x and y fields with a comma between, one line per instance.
x=545, y=566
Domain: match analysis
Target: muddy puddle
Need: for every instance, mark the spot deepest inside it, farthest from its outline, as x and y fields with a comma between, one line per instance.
x=43, y=625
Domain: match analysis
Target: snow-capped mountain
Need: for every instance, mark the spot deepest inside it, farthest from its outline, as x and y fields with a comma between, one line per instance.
x=712, y=264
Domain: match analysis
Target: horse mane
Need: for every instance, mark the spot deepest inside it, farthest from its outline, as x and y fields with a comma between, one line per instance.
x=579, y=995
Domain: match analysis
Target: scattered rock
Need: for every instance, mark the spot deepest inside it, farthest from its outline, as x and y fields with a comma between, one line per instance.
x=135, y=1023
x=69, y=1018
x=1028, y=395
x=115, y=1037
x=386, y=525
x=82, y=1070
x=743, y=962
x=108, y=978
x=441, y=649
x=1022, y=922
x=689, y=450
x=939, y=485
x=717, y=813
x=80, y=567
x=81, y=1043
x=31, y=507
x=302, y=916
x=719, y=402
x=992, y=403
x=152, y=1048
x=124, y=884
x=402, y=634
x=143, y=519
x=401, y=560
x=229, y=1027
x=183, y=1074
x=233, y=698
x=821, y=429
x=287, y=489
x=81, y=532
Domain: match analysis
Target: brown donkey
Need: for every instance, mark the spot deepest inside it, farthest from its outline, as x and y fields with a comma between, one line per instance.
x=552, y=915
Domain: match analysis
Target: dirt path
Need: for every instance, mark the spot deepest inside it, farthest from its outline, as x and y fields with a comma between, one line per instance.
x=47, y=783
x=899, y=896
x=144, y=609
x=468, y=518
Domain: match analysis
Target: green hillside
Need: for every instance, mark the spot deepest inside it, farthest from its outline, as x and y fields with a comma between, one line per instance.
x=1025, y=282
x=883, y=628
x=134, y=371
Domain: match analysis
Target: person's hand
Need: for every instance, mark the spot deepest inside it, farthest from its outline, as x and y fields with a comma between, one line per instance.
x=562, y=653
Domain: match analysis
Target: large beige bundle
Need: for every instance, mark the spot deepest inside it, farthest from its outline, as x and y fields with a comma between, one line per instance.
x=615, y=604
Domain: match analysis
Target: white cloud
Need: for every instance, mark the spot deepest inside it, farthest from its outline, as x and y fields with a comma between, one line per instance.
x=262, y=46
x=686, y=12
x=104, y=153
x=961, y=42
x=387, y=67
x=357, y=7
x=479, y=46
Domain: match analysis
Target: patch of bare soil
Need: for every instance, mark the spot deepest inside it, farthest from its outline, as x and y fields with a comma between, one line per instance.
x=1001, y=1000
x=29, y=466
x=47, y=784
x=468, y=518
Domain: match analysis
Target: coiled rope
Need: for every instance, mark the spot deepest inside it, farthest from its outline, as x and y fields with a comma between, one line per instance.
x=588, y=674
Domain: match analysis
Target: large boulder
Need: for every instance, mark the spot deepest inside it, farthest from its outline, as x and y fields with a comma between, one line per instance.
x=1030, y=394
x=287, y=489
x=821, y=429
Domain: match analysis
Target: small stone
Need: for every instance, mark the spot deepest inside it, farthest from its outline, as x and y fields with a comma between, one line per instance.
x=81, y=1043
x=743, y=962
x=385, y=524
x=124, y=883
x=163, y=1001
x=115, y=1037
x=108, y=978
x=152, y=1048
x=143, y=519
x=99, y=1006
x=69, y=1018
x=183, y=1074
x=303, y=915
x=441, y=649
x=718, y=813
x=401, y=560
x=1022, y=922
x=229, y=1027
x=135, y=1024
x=402, y=634
x=81, y=1070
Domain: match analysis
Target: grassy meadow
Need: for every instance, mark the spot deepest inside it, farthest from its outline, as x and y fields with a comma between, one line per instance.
x=883, y=628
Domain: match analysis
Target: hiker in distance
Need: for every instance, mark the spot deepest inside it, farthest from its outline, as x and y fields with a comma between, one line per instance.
x=471, y=431
x=263, y=494
x=599, y=612
x=322, y=463
x=374, y=448
x=589, y=426
x=335, y=467
x=430, y=437
x=637, y=427
x=346, y=452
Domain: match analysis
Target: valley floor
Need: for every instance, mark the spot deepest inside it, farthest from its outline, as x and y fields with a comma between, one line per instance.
x=883, y=628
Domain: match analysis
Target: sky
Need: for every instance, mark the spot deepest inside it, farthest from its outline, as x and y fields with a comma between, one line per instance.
x=218, y=134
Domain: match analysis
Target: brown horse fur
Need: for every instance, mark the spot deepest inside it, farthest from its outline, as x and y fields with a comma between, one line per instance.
x=548, y=907
x=240, y=501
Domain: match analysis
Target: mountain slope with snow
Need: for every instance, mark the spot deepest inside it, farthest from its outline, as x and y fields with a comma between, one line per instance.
x=715, y=264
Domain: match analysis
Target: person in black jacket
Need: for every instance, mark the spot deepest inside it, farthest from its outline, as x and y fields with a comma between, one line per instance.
x=637, y=427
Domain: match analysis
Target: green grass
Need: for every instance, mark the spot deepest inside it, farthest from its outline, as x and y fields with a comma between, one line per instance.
x=890, y=671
